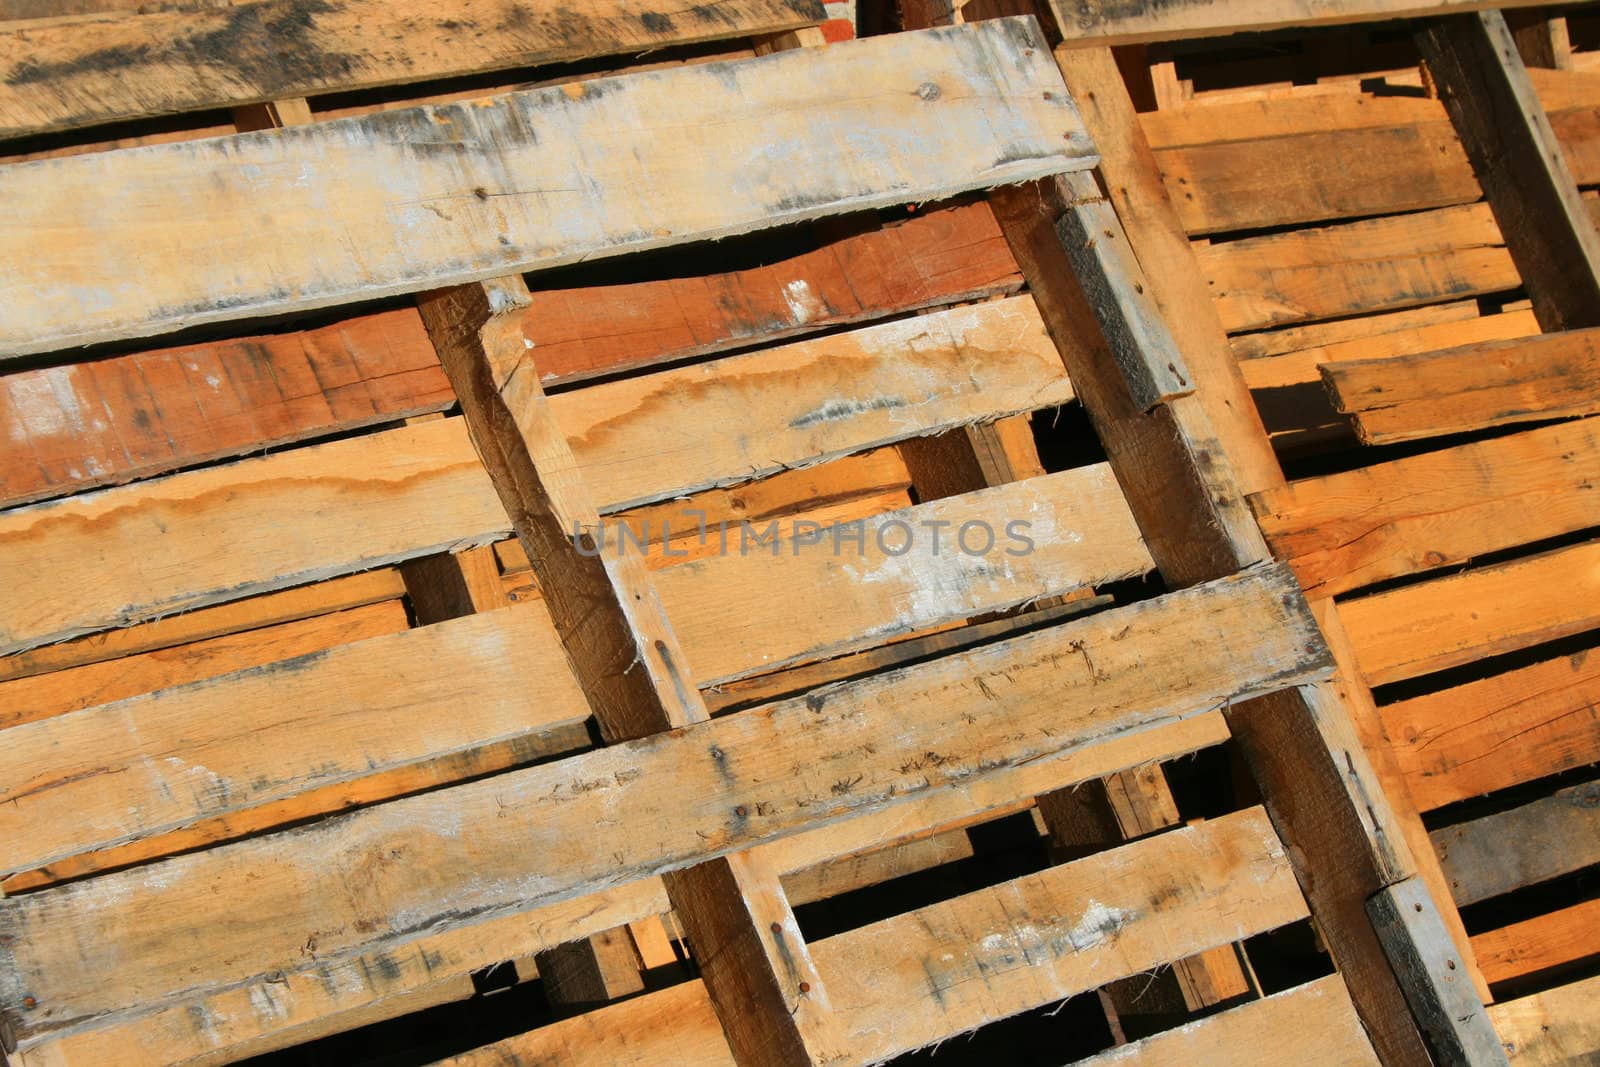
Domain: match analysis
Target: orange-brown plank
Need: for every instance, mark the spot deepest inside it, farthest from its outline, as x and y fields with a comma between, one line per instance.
x=65, y=429
x=1537, y=944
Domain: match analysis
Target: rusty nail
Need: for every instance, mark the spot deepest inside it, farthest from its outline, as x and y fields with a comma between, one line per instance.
x=29, y=1003
x=777, y=928
x=805, y=987
x=741, y=811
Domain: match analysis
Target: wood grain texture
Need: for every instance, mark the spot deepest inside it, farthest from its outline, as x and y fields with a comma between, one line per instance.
x=24, y=700
x=1111, y=22
x=1541, y=943
x=1554, y=1028
x=353, y=504
x=1519, y=162
x=1446, y=622
x=126, y=65
x=1317, y=1018
x=1347, y=530
x=1497, y=854
x=1462, y=389
x=212, y=400
x=1289, y=339
x=90, y=424
x=358, y=881
x=1357, y=267
x=409, y=200
x=1499, y=731
x=993, y=953
x=909, y=981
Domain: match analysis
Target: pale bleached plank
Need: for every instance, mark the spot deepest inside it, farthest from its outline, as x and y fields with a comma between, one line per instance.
x=206, y=536
x=1559, y=1027
x=912, y=980
x=280, y=1010
x=917, y=978
x=390, y=874
x=1315, y=1021
x=61, y=74
x=428, y=197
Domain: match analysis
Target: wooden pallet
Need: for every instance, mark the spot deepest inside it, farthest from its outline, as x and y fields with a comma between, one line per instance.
x=354, y=601
x=1353, y=334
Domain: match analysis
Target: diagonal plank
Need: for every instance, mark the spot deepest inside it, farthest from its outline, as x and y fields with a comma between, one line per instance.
x=390, y=874
x=225, y=532
x=409, y=200
x=62, y=74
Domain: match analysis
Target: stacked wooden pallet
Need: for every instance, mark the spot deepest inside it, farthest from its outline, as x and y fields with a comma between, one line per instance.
x=1375, y=265
x=302, y=741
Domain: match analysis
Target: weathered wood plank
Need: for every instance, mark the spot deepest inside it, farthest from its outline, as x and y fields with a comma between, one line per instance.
x=1556, y=1028
x=1357, y=267
x=1552, y=376
x=281, y=1010
x=232, y=397
x=1519, y=162
x=25, y=700
x=648, y=806
x=1347, y=530
x=1446, y=622
x=1112, y=22
x=1289, y=339
x=354, y=503
x=1316, y=1018
x=125, y=65
x=950, y=967
x=914, y=979
x=1433, y=976
x=1497, y=854
x=409, y=200
x=1499, y=731
x=1541, y=943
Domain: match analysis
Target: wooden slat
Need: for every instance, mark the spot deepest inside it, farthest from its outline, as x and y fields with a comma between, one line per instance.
x=1316, y=1018
x=122, y=65
x=776, y=772
x=1556, y=1028
x=1554, y=939
x=289, y=605
x=1456, y=390
x=913, y=979
x=1492, y=104
x=217, y=399
x=1498, y=854
x=87, y=780
x=1347, y=530
x=1446, y=622
x=1358, y=267
x=277, y=1010
x=409, y=200
x=1363, y=327
x=1302, y=367
x=1499, y=731
x=355, y=503
x=1110, y=22
x=26, y=700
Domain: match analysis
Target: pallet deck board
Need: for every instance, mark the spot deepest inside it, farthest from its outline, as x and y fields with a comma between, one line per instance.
x=405, y=201
x=980, y=711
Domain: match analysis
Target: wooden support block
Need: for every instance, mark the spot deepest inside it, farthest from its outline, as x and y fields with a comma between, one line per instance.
x=1463, y=389
x=1441, y=996
x=1144, y=349
x=1257, y=633
x=272, y=114
x=1514, y=152
x=631, y=667
x=1542, y=39
x=1498, y=854
x=1446, y=622
x=1408, y=516
x=118, y=65
x=1499, y=731
x=403, y=201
